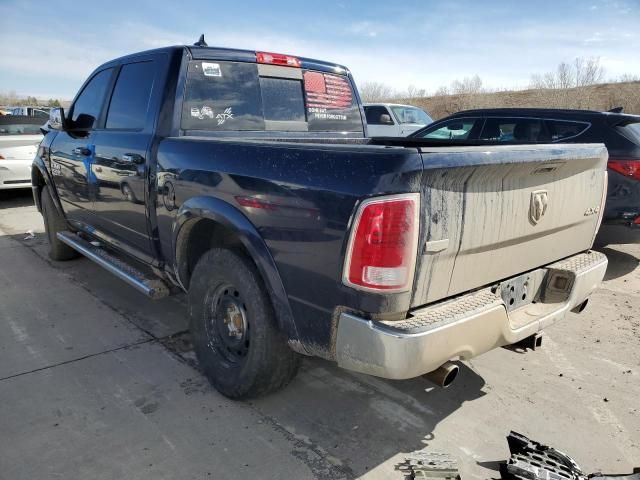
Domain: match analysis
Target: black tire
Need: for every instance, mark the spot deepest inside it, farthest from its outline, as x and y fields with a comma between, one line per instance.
x=234, y=330
x=54, y=222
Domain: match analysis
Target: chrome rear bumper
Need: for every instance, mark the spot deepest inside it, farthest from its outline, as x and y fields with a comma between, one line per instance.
x=466, y=326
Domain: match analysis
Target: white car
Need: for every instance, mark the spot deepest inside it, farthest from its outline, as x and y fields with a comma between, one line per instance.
x=19, y=140
x=393, y=120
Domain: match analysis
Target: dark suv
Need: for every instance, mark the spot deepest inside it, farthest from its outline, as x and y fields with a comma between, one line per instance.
x=618, y=131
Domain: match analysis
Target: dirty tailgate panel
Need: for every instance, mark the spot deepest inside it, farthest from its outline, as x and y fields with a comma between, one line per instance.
x=477, y=208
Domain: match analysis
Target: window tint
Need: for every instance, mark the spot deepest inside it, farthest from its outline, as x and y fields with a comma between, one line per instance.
x=222, y=96
x=632, y=132
x=330, y=103
x=232, y=96
x=498, y=129
x=130, y=99
x=454, y=129
x=560, y=129
x=86, y=109
x=282, y=99
x=374, y=115
x=411, y=115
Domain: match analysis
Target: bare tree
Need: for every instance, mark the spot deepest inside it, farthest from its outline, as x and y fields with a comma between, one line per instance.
x=588, y=71
x=583, y=72
x=467, y=86
x=414, y=92
x=375, y=92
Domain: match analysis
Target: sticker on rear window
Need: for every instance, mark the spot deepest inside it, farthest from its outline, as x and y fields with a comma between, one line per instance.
x=211, y=69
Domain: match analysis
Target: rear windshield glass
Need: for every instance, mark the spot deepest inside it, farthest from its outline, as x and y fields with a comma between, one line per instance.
x=632, y=132
x=233, y=96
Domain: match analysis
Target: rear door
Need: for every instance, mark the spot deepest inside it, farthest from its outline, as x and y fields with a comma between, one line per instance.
x=73, y=150
x=122, y=153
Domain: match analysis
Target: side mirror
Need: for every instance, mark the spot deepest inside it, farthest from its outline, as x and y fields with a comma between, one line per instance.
x=455, y=126
x=56, y=119
x=385, y=119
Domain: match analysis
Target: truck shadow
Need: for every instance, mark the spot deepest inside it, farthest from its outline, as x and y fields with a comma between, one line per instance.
x=353, y=423
x=365, y=421
x=620, y=263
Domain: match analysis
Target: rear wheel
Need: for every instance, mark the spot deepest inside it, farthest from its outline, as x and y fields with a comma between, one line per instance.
x=233, y=328
x=54, y=222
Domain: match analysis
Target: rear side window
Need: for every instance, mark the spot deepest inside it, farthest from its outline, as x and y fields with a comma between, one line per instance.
x=236, y=96
x=564, y=129
x=86, y=109
x=130, y=99
x=375, y=115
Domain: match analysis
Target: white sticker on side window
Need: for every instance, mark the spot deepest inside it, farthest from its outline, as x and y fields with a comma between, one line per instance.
x=201, y=113
x=211, y=69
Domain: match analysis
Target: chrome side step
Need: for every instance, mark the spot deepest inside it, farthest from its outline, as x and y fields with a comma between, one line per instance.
x=152, y=287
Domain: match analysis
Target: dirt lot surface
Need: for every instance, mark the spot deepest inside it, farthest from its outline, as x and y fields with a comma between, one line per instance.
x=98, y=382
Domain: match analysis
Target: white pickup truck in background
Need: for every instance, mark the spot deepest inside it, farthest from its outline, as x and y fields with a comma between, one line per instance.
x=394, y=120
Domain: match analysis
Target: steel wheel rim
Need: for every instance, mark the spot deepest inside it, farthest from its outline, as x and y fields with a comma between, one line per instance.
x=227, y=324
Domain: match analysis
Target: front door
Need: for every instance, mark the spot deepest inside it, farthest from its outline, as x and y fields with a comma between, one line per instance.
x=73, y=150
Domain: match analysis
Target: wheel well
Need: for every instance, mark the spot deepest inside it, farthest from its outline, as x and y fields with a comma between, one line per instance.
x=37, y=180
x=197, y=238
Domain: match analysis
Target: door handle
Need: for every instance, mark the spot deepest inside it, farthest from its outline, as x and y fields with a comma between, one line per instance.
x=133, y=158
x=82, y=151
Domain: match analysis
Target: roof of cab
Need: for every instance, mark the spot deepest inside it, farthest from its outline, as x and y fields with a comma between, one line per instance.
x=229, y=54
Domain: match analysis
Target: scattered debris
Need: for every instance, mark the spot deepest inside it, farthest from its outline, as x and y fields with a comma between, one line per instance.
x=531, y=460
x=30, y=235
x=429, y=465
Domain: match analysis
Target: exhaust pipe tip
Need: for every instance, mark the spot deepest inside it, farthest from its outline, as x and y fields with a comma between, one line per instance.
x=444, y=375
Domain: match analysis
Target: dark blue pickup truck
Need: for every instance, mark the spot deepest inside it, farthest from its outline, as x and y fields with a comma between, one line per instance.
x=246, y=179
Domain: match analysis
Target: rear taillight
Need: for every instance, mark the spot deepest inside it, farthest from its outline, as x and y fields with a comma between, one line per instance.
x=628, y=168
x=381, y=254
x=637, y=220
x=277, y=59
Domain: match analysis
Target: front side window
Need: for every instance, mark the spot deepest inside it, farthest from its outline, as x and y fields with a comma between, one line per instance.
x=412, y=115
x=377, y=115
x=130, y=99
x=498, y=129
x=454, y=129
x=86, y=109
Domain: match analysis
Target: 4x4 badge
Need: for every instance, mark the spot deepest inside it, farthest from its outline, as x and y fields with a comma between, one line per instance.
x=539, y=203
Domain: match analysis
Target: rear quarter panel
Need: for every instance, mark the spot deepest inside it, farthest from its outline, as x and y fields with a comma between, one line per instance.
x=300, y=198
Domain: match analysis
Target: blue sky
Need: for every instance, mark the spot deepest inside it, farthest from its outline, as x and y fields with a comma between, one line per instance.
x=48, y=48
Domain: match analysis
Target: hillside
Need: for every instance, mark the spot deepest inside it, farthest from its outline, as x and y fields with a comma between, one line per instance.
x=596, y=97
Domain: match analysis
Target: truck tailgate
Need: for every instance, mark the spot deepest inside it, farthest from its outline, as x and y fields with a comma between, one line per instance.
x=493, y=212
